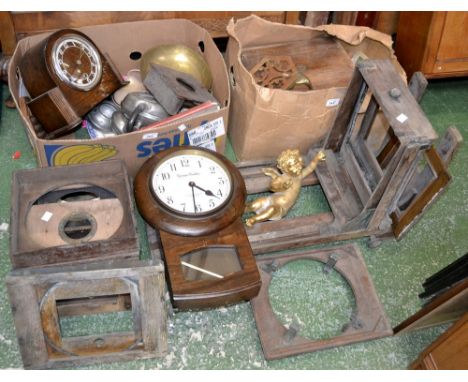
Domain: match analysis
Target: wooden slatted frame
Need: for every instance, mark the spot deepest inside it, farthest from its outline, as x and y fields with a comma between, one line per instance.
x=398, y=158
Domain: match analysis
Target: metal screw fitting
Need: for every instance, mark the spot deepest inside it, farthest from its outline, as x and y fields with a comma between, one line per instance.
x=395, y=93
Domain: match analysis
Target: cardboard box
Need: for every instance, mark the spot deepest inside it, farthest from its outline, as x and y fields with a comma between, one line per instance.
x=266, y=121
x=118, y=41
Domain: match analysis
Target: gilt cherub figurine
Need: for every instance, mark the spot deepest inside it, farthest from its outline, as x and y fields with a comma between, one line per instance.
x=286, y=187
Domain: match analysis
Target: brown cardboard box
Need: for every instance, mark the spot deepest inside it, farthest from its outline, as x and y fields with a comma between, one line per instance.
x=118, y=41
x=266, y=121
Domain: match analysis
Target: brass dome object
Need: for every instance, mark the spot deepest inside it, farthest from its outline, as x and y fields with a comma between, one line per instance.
x=178, y=57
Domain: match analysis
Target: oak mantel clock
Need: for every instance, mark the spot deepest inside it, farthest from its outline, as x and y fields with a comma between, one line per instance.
x=195, y=198
x=66, y=75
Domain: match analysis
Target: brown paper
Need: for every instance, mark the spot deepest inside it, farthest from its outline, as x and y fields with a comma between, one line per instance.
x=266, y=121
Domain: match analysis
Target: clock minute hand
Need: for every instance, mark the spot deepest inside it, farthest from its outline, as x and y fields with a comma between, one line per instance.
x=191, y=184
x=207, y=192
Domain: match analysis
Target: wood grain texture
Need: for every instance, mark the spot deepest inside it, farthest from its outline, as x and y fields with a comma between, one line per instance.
x=234, y=287
x=447, y=352
x=181, y=235
x=29, y=185
x=384, y=78
x=7, y=33
x=51, y=99
x=214, y=22
x=430, y=42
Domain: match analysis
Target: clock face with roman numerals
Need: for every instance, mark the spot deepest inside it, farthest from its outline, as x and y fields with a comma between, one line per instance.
x=191, y=183
x=77, y=62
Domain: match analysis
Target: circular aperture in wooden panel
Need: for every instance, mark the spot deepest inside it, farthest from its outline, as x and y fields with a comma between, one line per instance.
x=315, y=303
x=72, y=215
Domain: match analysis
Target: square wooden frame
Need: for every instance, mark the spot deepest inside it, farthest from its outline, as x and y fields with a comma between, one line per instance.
x=34, y=293
x=29, y=185
x=370, y=321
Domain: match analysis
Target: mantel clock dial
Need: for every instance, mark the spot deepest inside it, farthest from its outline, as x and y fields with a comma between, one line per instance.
x=77, y=62
x=195, y=198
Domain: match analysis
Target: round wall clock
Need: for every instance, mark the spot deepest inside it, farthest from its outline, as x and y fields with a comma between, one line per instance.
x=195, y=198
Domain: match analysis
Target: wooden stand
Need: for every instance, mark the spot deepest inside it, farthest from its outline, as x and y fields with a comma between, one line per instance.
x=84, y=275
x=366, y=172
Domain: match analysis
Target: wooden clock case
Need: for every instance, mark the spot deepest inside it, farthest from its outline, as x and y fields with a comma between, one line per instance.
x=57, y=106
x=183, y=235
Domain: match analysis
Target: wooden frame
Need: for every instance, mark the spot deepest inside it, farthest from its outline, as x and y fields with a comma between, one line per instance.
x=362, y=187
x=368, y=322
x=40, y=297
x=28, y=186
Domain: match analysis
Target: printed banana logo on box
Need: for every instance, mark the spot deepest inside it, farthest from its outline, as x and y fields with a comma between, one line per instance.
x=59, y=155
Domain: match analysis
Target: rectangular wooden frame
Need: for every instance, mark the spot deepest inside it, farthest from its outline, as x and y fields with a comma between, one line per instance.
x=34, y=294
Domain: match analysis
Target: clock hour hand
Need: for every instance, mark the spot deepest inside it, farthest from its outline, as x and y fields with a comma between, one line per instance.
x=207, y=192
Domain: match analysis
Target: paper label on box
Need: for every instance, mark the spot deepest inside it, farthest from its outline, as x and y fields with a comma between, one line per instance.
x=150, y=136
x=332, y=102
x=210, y=145
x=22, y=91
x=206, y=132
x=402, y=118
x=47, y=215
